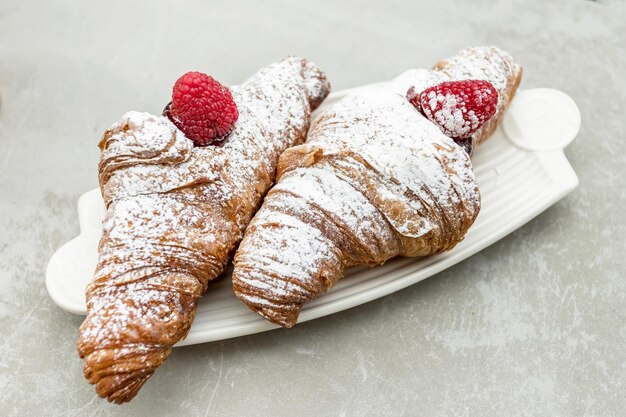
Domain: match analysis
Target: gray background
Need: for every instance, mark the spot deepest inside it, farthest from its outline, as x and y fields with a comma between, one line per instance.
x=533, y=325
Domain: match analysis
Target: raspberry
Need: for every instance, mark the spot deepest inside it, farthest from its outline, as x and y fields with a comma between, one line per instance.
x=459, y=108
x=202, y=108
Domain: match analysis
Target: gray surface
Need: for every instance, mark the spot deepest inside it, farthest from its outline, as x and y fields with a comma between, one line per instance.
x=533, y=325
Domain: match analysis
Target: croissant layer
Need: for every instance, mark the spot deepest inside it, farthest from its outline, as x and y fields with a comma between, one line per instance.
x=174, y=215
x=374, y=180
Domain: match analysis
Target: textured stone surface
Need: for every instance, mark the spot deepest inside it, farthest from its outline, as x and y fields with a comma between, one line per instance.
x=533, y=325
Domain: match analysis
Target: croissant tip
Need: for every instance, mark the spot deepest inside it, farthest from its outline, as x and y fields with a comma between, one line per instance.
x=269, y=303
x=280, y=318
x=119, y=373
x=120, y=392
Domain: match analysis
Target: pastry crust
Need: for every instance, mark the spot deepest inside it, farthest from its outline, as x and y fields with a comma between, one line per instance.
x=374, y=180
x=175, y=213
x=485, y=63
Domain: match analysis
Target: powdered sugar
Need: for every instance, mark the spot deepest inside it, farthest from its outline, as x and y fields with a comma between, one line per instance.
x=174, y=214
x=490, y=64
x=376, y=179
x=486, y=63
x=449, y=115
x=406, y=153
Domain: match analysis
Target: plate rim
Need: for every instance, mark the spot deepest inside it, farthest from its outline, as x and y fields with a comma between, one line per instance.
x=553, y=161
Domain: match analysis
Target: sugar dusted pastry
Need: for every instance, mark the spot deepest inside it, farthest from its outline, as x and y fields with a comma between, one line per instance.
x=178, y=201
x=382, y=174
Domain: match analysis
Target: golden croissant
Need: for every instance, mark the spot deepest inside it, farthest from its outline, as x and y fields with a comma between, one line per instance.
x=174, y=215
x=376, y=179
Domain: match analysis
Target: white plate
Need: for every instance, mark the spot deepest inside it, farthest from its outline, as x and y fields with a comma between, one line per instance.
x=516, y=185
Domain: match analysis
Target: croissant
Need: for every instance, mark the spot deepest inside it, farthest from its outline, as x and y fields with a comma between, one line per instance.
x=375, y=180
x=174, y=215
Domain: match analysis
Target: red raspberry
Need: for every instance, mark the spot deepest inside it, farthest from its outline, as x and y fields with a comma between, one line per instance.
x=202, y=108
x=459, y=108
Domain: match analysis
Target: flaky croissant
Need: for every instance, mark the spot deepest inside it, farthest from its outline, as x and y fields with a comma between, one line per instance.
x=375, y=179
x=175, y=212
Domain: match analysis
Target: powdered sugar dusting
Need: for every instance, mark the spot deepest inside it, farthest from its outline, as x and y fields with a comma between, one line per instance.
x=174, y=214
x=487, y=63
x=376, y=179
x=490, y=64
x=448, y=113
x=406, y=153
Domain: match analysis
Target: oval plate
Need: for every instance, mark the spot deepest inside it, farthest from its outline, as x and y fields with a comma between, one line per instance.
x=516, y=183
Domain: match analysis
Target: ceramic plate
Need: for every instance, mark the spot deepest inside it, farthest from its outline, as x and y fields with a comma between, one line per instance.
x=518, y=180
